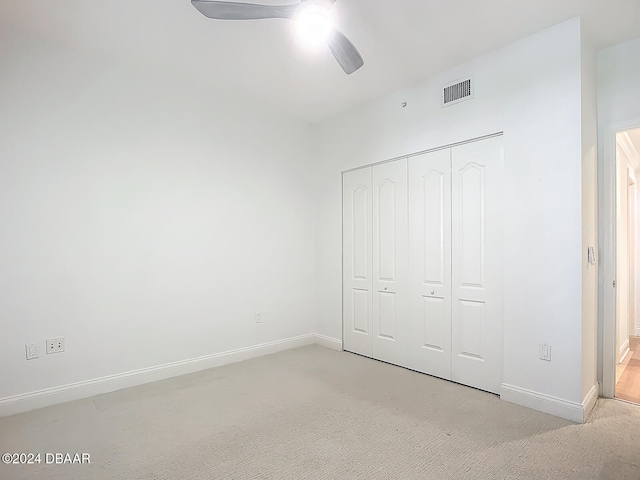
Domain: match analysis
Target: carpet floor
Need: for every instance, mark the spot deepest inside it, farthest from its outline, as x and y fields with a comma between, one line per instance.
x=313, y=413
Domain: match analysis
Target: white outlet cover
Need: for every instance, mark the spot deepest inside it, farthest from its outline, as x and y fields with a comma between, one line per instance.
x=55, y=345
x=545, y=352
x=32, y=351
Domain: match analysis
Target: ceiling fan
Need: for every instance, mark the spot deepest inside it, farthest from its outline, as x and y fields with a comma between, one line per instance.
x=313, y=18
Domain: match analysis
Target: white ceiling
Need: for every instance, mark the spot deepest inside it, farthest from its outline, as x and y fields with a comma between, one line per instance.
x=402, y=42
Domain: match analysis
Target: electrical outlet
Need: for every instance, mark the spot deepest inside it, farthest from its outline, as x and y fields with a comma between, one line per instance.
x=258, y=317
x=55, y=345
x=32, y=351
x=545, y=352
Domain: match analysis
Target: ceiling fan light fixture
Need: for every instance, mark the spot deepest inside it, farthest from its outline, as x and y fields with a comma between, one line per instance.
x=314, y=23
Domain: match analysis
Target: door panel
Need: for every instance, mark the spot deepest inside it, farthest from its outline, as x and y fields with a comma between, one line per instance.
x=434, y=337
x=386, y=230
x=387, y=315
x=477, y=239
x=361, y=208
x=471, y=224
x=361, y=311
x=429, y=312
x=357, y=258
x=390, y=265
x=471, y=323
x=435, y=186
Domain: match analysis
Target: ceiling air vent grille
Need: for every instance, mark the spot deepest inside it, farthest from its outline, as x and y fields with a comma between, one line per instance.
x=457, y=92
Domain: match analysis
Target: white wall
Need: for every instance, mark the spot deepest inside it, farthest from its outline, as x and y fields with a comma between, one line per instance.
x=142, y=218
x=147, y=220
x=618, y=104
x=618, y=77
x=531, y=90
x=589, y=214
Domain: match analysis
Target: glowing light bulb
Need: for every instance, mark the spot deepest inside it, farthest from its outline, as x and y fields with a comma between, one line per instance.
x=314, y=23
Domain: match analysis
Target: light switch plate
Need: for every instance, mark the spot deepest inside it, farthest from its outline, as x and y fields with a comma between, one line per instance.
x=545, y=352
x=32, y=351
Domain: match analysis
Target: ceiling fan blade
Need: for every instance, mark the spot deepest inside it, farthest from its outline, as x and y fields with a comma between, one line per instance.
x=243, y=11
x=345, y=53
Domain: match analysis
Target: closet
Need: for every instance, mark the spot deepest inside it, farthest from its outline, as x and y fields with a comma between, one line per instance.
x=422, y=262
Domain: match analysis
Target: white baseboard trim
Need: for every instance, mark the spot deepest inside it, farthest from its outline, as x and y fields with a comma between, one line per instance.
x=88, y=388
x=624, y=351
x=574, y=411
x=624, y=357
x=589, y=401
x=329, y=342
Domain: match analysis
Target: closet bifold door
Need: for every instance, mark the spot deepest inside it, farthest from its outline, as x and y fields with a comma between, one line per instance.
x=390, y=262
x=429, y=323
x=357, y=216
x=477, y=285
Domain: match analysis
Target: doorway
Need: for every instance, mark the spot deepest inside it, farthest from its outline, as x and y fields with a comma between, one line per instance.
x=627, y=325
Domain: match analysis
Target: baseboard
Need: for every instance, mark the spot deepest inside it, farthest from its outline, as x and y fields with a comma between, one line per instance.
x=589, y=401
x=329, y=342
x=574, y=411
x=75, y=391
x=624, y=357
x=624, y=351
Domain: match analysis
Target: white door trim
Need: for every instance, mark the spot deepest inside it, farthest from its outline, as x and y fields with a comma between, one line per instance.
x=422, y=152
x=607, y=274
x=631, y=242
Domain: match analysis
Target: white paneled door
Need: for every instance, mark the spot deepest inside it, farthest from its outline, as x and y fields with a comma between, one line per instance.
x=477, y=242
x=390, y=261
x=429, y=321
x=357, y=256
x=422, y=263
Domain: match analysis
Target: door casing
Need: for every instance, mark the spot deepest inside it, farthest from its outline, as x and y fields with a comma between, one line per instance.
x=607, y=237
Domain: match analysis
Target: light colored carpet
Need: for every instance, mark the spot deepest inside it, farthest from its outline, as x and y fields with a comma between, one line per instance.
x=315, y=413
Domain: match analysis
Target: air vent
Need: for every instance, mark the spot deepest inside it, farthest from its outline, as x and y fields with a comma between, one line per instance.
x=457, y=92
